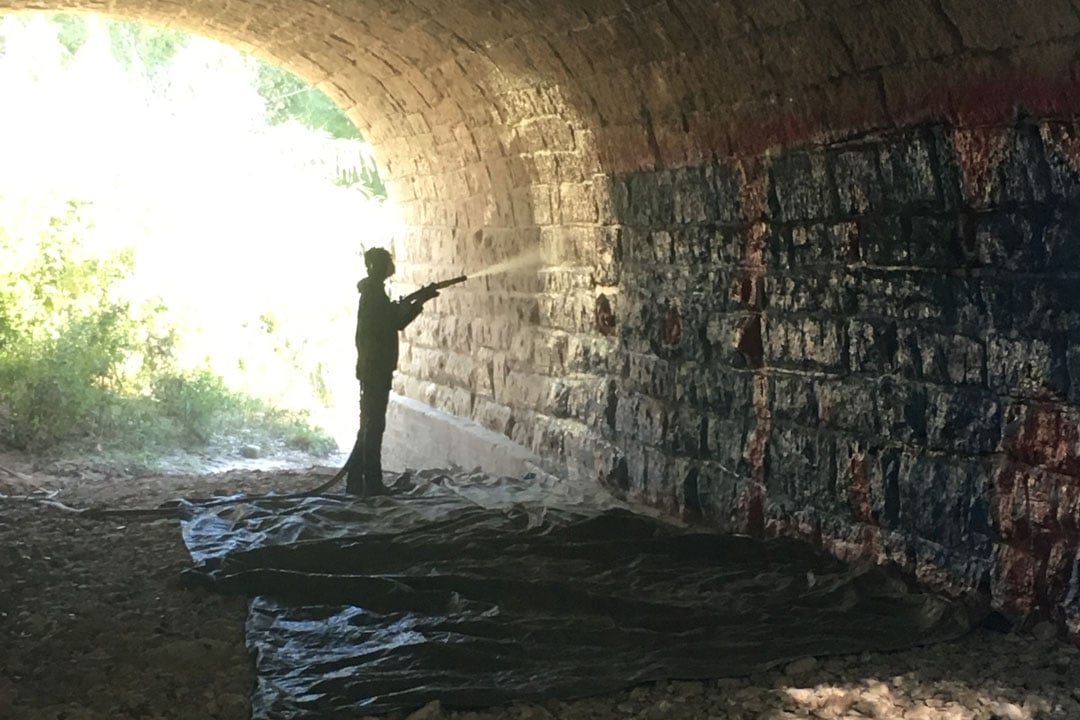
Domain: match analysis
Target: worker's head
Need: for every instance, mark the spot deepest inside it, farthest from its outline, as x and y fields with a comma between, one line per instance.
x=379, y=262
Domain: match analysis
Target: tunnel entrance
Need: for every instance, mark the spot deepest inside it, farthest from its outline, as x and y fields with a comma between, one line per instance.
x=181, y=263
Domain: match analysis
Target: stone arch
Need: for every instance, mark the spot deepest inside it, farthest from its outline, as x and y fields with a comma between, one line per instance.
x=862, y=212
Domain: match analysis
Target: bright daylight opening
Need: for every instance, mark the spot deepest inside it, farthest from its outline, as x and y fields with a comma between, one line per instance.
x=180, y=232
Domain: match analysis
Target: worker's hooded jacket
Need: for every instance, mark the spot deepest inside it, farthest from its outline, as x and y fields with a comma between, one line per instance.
x=378, y=321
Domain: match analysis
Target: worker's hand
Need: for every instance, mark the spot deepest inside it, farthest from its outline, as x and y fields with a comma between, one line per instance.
x=428, y=292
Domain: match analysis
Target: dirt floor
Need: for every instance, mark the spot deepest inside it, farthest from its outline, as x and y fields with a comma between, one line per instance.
x=97, y=622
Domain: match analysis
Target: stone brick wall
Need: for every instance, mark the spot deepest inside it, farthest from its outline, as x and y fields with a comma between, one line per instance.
x=808, y=267
x=868, y=344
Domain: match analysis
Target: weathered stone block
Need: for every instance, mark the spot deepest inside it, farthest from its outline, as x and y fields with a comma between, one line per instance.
x=941, y=358
x=728, y=246
x=1061, y=240
x=800, y=187
x=882, y=241
x=659, y=480
x=1027, y=367
x=1044, y=434
x=935, y=242
x=526, y=390
x=718, y=488
x=1012, y=241
x=963, y=420
x=847, y=405
x=688, y=433
x=824, y=293
x=873, y=346
x=691, y=202
x=577, y=204
x=1023, y=175
x=908, y=174
x=727, y=443
x=642, y=418
x=804, y=343
x=801, y=469
x=855, y=175
x=1072, y=363
x=792, y=398
x=805, y=246
x=934, y=495
x=650, y=201
x=713, y=386
x=691, y=246
x=493, y=416
x=921, y=295
x=722, y=333
x=1022, y=305
x=1060, y=140
x=723, y=183
x=900, y=411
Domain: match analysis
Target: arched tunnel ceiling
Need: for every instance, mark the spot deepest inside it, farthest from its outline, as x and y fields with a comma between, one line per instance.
x=635, y=85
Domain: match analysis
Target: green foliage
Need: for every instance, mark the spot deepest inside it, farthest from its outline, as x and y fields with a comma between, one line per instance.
x=196, y=401
x=79, y=364
x=366, y=178
x=290, y=98
x=145, y=47
x=80, y=361
x=72, y=32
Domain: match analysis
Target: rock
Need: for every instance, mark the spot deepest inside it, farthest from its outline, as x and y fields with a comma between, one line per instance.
x=867, y=708
x=801, y=666
x=533, y=712
x=432, y=711
x=1044, y=631
x=660, y=711
x=1008, y=711
x=686, y=689
x=802, y=696
x=919, y=712
x=251, y=451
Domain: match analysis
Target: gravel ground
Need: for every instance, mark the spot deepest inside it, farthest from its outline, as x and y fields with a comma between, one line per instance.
x=95, y=623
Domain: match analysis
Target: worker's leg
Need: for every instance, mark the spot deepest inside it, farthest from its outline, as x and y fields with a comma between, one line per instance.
x=354, y=466
x=374, y=398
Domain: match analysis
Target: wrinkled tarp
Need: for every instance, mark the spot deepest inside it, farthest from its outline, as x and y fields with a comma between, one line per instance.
x=477, y=594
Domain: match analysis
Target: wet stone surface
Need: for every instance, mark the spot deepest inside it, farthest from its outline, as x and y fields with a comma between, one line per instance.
x=95, y=623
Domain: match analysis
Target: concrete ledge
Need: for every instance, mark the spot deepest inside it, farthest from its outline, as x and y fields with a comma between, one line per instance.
x=419, y=436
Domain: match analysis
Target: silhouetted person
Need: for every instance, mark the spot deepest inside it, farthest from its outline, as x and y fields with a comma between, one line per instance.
x=378, y=321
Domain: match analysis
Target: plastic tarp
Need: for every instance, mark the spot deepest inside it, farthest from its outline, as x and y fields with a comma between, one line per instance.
x=480, y=591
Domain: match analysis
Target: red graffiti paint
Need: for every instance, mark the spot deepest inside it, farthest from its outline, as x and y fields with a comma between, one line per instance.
x=860, y=489
x=980, y=152
x=673, y=329
x=1036, y=506
x=1047, y=92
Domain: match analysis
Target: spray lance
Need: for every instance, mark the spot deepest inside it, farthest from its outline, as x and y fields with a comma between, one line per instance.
x=432, y=289
x=524, y=261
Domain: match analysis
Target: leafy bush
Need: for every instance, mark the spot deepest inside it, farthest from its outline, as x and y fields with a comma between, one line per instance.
x=79, y=364
x=196, y=401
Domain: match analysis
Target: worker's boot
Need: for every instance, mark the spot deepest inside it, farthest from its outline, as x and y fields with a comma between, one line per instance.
x=373, y=484
x=375, y=487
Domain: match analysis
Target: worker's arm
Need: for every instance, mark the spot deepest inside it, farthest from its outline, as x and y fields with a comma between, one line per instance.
x=406, y=311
